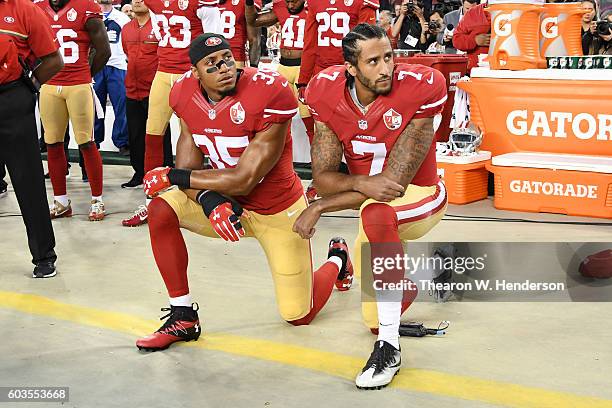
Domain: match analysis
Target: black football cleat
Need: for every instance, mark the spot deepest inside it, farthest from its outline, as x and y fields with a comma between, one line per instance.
x=384, y=363
x=338, y=247
x=182, y=325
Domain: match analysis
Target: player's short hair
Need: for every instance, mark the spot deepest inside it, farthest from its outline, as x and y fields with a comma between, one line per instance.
x=361, y=32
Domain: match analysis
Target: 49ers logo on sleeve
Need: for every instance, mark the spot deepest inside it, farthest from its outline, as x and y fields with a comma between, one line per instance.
x=213, y=41
x=71, y=15
x=183, y=4
x=392, y=119
x=237, y=114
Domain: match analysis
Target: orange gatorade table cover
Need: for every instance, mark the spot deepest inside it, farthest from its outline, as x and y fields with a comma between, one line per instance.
x=542, y=110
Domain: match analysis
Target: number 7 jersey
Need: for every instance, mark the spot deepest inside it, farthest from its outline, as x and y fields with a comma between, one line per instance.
x=68, y=25
x=176, y=23
x=367, y=139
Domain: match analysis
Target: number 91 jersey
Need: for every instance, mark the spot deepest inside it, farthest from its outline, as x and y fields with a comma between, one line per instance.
x=68, y=25
x=224, y=130
x=417, y=92
x=176, y=23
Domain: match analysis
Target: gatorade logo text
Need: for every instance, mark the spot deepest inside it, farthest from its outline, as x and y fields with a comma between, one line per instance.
x=553, y=189
x=549, y=27
x=583, y=126
x=502, y=26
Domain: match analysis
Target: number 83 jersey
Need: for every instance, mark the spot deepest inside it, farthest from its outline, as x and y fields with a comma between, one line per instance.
x=367, y=139
x=68, y=25
x=176, y=23
x=224, y=130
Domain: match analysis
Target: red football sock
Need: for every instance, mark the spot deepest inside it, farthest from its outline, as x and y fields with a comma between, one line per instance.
x=380, y=225
x=93, y=166
x=154, y=152
x=323, y=284
x=56, y=159
x=309, y=123
x=169, y=247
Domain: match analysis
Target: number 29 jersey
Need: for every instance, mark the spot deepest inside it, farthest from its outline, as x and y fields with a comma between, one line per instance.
x=68, y=25
x=176, y=23
x=224, y=130
x=367, y=139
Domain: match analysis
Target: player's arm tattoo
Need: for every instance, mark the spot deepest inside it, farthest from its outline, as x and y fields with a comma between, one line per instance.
x=326, y=150
x=409, y=151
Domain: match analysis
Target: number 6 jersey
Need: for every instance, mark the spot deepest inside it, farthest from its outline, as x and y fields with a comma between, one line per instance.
x=68, y=25
x=367, y=139
x=176, y=23
x=224, y=130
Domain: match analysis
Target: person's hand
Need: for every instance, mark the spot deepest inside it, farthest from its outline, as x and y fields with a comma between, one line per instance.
x=155, y=181
x=418, y=12
x=593, y=27
x=379, y=188
x=304, y=225
x=404, y=10
x=223, y=214
x=301, y=90
x=448, y=38
x=483, y=40
x=424, y=26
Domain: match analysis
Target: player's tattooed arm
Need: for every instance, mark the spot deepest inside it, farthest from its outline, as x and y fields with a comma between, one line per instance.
x=409, y=151
x=99, y=42
x=255, y=19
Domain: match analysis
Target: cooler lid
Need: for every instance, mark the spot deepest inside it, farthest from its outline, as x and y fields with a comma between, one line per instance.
x=565, y=74
x=556, y=161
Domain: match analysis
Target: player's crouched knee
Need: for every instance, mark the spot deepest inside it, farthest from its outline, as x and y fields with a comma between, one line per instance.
x=377, y=213
x=161, y=214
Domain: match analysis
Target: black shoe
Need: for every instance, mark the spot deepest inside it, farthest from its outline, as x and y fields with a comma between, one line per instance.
x=183, y=324
x=44, y=270
x=384, y=363
x=124, y=151
x=3, y=189
x=135, y=182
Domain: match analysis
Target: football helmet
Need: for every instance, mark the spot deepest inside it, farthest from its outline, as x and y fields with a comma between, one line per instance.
x=464, y=141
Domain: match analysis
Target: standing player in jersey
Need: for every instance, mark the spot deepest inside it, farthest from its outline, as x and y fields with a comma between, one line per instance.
x=78, y=26
x=291, y=14
x=247, y=140
x=382, y=116
x=175, y=23
x=237, y=31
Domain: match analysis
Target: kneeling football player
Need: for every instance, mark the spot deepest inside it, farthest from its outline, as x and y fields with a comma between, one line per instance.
x=240, y=119
x=382, y=116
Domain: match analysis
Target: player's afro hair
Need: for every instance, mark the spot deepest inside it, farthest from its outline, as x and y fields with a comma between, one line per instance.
x=361, y=32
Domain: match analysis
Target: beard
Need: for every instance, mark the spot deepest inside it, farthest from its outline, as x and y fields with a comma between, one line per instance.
x=373, y=86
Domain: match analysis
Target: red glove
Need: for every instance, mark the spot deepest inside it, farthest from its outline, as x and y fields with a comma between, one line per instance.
x=223, y=214
x=301, y=89
x=156, y=181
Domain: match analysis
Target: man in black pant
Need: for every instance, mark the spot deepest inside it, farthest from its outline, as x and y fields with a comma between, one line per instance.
x=140, y=46
x=23, y=37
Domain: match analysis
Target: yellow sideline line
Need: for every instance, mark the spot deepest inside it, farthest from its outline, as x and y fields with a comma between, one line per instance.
x=343, y=366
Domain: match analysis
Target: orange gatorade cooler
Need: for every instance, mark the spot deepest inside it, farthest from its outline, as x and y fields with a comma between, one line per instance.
x=569, y=184
x=560, y=30
x=465, y=177
x=515, y=34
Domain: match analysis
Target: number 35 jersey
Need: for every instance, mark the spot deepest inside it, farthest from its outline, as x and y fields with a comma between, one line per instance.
x=176, y=23
x=224, y=131
x=68, y=25
x=367, y=139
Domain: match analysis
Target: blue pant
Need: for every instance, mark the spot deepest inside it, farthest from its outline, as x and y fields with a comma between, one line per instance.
x=110, y=81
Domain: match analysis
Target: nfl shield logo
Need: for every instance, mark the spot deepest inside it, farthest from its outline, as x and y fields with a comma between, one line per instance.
x=183, y=4
x=71, y=15
x=166, y=3
x=235, y=2
x=348, y=3
x=392, y=119
x=237, y=114
x=212, y=114
x=363, y=124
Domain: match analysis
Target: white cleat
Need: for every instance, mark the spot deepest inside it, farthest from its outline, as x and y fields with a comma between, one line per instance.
x=384, y=363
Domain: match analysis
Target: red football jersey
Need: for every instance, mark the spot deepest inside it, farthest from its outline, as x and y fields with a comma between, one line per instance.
x=176, y=23
x=327, y=23
x=68, y=25
x=234, y=26
x=293, y=26
x=223, y=131
x=417, y=92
